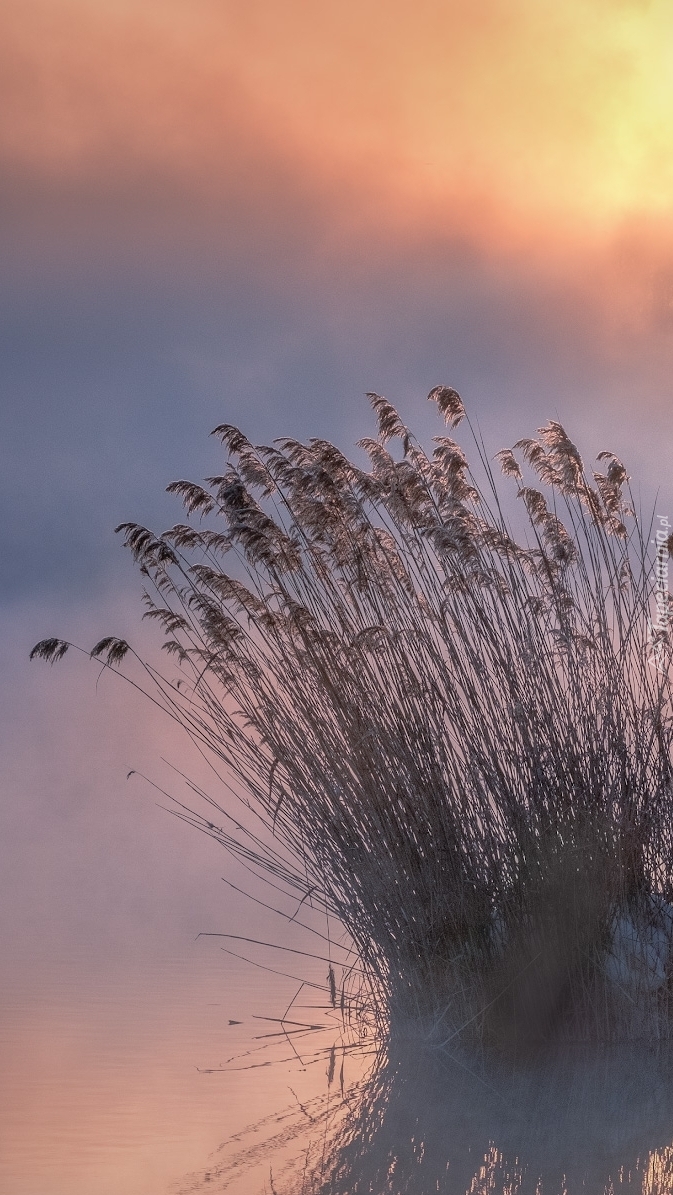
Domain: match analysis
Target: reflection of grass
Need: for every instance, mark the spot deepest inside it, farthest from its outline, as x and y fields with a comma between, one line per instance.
x=597, y=1124
x=451, y=740
x=588, y=1122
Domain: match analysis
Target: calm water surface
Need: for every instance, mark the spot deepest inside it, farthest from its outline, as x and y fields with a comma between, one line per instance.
x=133, y=1081
x=103, y=1089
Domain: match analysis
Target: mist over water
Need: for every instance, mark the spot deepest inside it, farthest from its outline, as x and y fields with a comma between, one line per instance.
x=111, y=1013
x=142, y=1085
x=597, y=1123
x=256, y=213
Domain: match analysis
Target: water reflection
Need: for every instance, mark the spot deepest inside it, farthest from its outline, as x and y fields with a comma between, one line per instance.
x=599, y=1122
x=596, y=1124
x=142, y=1082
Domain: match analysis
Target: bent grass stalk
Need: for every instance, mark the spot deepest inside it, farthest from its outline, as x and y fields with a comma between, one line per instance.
x=452, y=741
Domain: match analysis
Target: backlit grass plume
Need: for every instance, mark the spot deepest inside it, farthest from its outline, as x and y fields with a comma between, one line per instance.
x=457, y=739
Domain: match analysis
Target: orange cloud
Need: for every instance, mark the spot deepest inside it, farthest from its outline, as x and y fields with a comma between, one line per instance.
x=506, y=121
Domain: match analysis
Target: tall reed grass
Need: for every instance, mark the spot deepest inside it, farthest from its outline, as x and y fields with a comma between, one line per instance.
x=451, y=737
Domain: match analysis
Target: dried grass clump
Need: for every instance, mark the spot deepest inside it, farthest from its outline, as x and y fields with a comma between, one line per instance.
x=456, y=742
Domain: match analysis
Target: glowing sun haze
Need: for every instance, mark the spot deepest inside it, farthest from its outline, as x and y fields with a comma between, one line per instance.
x=543, y=116
x=254, y=212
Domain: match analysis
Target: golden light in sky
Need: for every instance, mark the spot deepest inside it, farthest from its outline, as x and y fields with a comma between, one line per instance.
x=254, y=211
x=542, y=113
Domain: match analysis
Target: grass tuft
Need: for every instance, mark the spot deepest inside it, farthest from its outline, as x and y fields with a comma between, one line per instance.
x=457, y=739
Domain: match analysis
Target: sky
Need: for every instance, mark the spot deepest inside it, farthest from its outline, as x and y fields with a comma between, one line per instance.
x=255, y=212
